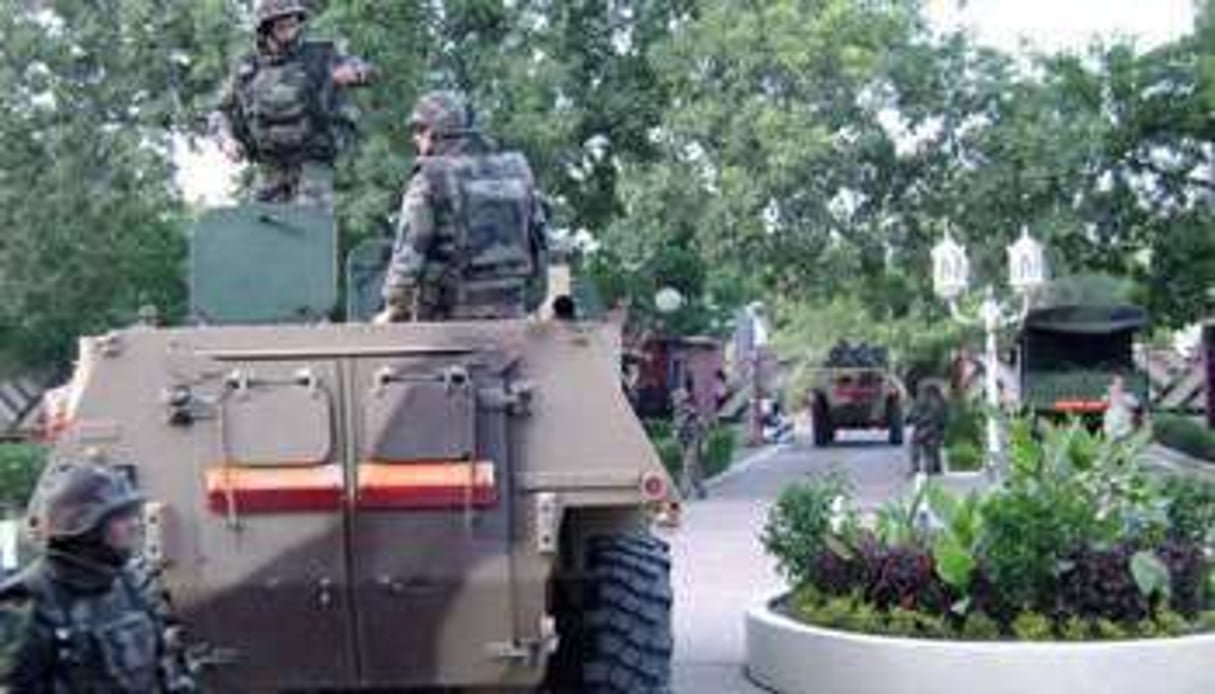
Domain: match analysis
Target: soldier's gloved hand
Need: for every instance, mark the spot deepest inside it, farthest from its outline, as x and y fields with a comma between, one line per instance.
x=351, y=73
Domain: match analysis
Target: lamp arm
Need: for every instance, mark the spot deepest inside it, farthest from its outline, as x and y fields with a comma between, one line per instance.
x=956, y=312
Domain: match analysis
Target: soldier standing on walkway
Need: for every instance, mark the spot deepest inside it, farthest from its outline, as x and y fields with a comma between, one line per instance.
x=471, y=242
x=929, y=415
x=285, y=108
x=690, y=430
x=82, y=618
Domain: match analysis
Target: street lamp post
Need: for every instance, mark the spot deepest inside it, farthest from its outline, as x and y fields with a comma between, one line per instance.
x=951, y=277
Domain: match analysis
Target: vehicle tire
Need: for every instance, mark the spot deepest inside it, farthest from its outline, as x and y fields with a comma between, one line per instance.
x=621, y=636
x=894, y=420
x=821, y=422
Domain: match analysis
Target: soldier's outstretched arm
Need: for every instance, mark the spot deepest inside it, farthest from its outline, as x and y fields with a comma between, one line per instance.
x=410, y=255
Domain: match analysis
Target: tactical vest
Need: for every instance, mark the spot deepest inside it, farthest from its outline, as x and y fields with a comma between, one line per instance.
x=109, y=642
x=285, y=101
x=485, y=213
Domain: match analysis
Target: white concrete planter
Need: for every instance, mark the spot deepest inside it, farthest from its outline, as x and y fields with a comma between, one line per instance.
x=789, y=657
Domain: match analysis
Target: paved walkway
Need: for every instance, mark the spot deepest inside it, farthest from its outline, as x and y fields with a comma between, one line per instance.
x=720, y=567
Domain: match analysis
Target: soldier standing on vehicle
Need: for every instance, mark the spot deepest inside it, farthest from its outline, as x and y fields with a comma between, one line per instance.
x=690, y=430
x=82, y=618
x=285, y=108
x=929, y=415
x=471, y=239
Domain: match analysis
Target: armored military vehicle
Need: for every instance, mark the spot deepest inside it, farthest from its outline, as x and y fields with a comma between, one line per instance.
x=855, y=389
x=354, y=506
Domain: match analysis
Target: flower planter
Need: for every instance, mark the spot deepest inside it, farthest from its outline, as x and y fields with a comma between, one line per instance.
x=789, y=657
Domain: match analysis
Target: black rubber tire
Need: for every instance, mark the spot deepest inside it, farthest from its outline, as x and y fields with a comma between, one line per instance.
x=894, y=420
x=821, y=423
x=626, y=627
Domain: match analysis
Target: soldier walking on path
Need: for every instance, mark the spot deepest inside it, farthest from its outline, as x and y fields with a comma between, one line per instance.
x=471, y=241
x=285, y=108
x=690, y=430
x=82, y=618
x=929, y=415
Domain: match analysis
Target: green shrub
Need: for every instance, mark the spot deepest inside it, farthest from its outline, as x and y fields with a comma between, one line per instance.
x=1032, y=626
x=1076, y=629
x=798, y=527
x=720, y=446
x=1109, y=630
x=662, y=437
x=1191, y=507
x=20, y=465
x=979, y=627
x=964, y=456
x=1169, y=623
x=1185, y=435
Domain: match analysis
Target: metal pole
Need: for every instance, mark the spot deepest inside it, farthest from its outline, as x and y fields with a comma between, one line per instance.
x=991, y=323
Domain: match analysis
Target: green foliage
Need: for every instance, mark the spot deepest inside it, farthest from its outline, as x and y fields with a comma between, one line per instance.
x=1191, y=508
x=720, y=446
x=798, y=526
x=20, y=466
x=1109, y=630
x=1184, y=434
x=955, y=545
x=1151, y=575
x=1032, y=626
x=1076, y=534
x=964, y=456
x=1075, y=629
x=979, y=627
x=662, y=437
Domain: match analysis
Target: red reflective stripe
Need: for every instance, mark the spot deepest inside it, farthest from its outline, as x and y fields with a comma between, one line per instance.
x=1080, y=405
x=427, y=485
x=276, y=489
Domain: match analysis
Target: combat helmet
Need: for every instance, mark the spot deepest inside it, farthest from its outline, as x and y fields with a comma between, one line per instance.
x=270, y=10
x=444, y=112
x=81, y=497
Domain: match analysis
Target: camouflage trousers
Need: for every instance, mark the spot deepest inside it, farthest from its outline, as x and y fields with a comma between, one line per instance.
x=926, y=456
x=298, y=183
x=692, y=474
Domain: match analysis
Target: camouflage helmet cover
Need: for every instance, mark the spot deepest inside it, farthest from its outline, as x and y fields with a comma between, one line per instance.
x=444, y=112
x=82, y=496
x=270, y=10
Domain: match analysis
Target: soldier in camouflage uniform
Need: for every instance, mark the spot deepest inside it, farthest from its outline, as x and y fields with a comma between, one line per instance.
x=930, y=416
x=285, y=108
x=83, y=618
x=471, y=239
x=690, y=431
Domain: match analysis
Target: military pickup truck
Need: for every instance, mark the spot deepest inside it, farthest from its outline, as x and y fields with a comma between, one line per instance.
x=855, y=389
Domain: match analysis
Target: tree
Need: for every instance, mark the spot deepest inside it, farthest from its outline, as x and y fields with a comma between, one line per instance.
x=89, y=93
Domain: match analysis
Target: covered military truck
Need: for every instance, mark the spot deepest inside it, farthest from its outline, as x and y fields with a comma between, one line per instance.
x=355, y=507
x=1071, y=354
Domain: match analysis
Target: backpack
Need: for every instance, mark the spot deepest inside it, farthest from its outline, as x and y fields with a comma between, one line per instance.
x=489, y=207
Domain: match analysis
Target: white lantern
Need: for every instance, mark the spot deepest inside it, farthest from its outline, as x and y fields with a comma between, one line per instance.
x=668, y=300
x=950, y=268
x=1026, y=264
